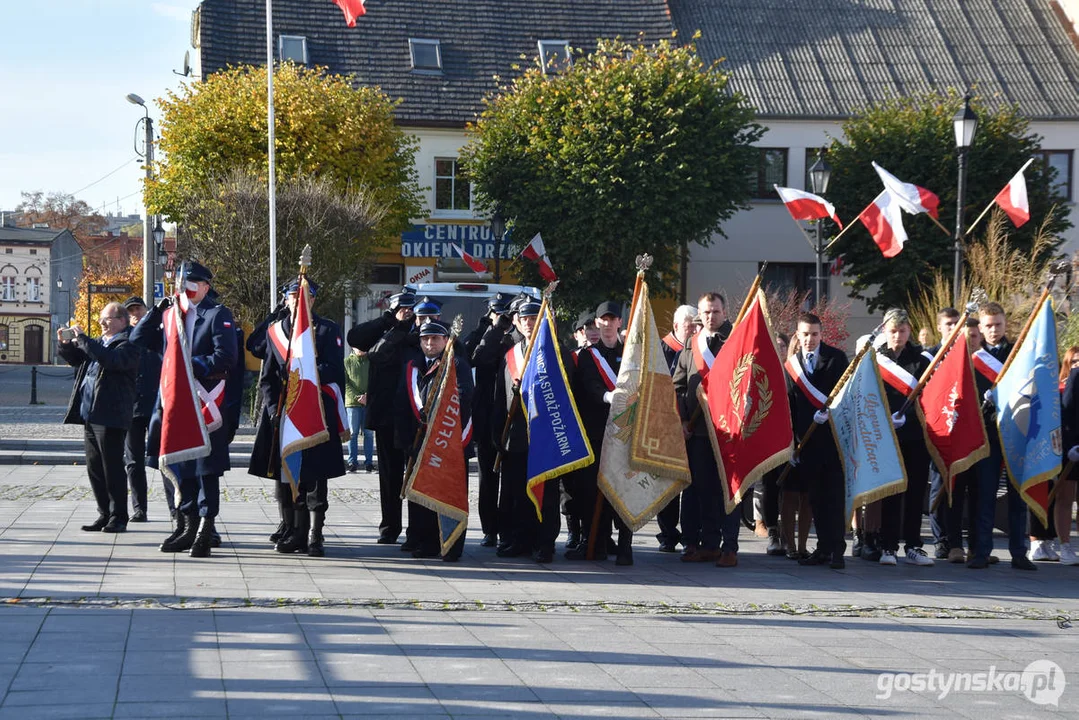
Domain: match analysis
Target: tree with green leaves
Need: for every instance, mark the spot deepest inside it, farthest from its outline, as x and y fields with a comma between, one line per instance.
x=325, y=128
x=630, y=149
x=913, y=138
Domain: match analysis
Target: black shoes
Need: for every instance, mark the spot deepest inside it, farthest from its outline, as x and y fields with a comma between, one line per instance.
x=97, y=525
x=203, y=539
x=668, y=547
x=138, y=516
x=512, y=550
x=315, y=541
x=282, y=530
x=815, y=558
x=368, y=468
x=543, y=556
x=410, y=545
x=1022, y=562
x=978, y=563
x=425, y=551
x=489, y=540
x=837, y=563
x=386, y=540
x=114, y=526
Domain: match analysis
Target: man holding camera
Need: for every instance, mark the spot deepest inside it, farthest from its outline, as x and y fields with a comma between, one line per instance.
x=103, y=402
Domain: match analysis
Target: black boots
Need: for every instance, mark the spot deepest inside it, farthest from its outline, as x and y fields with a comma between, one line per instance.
x=574, y=524
x=296, y=540
x=625, y=547
x=283, y=529
x=183, y=537
x=203, y=539
x=314, y=542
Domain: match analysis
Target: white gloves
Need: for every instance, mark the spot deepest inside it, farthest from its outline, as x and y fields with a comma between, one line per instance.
x=1073, y=454
x=988, y=396
x=607, y=396
x=898, y=420
x=821, y=417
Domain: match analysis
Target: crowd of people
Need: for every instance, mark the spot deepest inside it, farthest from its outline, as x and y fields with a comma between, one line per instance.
x=379, y=388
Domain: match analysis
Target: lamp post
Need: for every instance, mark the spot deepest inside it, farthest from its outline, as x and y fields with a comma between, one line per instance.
x=159, y=249
x=820, y=173
x=498, y=229
x=147, y=240
x=966, y=125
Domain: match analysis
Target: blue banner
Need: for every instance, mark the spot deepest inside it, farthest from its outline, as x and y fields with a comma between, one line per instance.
x=557, y=442
x=868, y=449
x=435, y=240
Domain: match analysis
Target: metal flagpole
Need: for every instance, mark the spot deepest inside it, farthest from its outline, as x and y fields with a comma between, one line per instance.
x=270, y=151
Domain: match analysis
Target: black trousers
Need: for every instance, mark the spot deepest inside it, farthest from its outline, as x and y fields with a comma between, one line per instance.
x=964, y=494
x=135, y=461
x=200, y=494
x=488, y=483
x=901, y=514
x=702, y=505
x=770, y=497
x=391, y=476
x=667, y=518
x=105, y=468
x=313, y=494
x=828, y=499
x=527, y=531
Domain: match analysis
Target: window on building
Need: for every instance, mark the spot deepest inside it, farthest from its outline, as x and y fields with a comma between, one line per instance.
x=554, y=55
x=33, y=251
x=7, y=287
x=292, y=47
x=8, y=251
x=1061, y=161
x=387, y=275
x=426, y=55
x=771, y=170
x=33, y=289
x=792, y=279
x=452, y=192
x=3, y=337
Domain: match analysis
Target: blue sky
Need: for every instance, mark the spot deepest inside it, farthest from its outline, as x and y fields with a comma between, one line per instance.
x=65, y=68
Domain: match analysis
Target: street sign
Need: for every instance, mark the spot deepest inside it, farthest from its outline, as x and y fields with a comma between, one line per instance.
x=109, y=289
x=159, y=290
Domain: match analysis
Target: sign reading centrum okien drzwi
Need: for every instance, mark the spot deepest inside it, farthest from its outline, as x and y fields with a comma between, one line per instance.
x=435, y=240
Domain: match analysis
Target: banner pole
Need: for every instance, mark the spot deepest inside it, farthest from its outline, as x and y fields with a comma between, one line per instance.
x=994, y=200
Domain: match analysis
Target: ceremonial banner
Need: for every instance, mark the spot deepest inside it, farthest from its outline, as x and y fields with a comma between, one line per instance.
x=950, y=404
x=1028, y=411
x=557, y=442
x=747, y=401
x=303, y=423
x=439, y=479
x=868, y=449
x=643, y=464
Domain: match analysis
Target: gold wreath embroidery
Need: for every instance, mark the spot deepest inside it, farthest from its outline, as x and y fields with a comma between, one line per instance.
x=624, y=421
x=293, y=389
x=742, y=404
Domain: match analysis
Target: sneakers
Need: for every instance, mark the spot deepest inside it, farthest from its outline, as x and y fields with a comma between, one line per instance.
x=955, y=555
x=1067, y=555
x=917, y=556
x=887, y=557
x=1043, y=551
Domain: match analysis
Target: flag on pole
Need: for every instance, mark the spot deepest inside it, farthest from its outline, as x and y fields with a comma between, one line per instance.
x=478, y=266
x=557, y=442
x=352, y=9
x=1013, y=199
x=868, y=449
x=643, y=464
x=912, y=198
x=535, y=252
x=949, y=403
x=750, y=414
x=807, y=206
x=303, y=423
x=884, y=221
x=439, y=479
x=1028, y=411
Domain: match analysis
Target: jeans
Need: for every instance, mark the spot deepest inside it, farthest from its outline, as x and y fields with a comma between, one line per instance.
x=988, y=477
x=938, y=517
x=356, y=417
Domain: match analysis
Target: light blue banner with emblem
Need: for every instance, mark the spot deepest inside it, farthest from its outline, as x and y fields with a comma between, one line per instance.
x=862, y=425
x=557, y=443
x=1028, y=410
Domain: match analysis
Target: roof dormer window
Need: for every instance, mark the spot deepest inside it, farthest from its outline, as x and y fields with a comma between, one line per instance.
x=554, y=56
x=426, y=55
x=292, y=47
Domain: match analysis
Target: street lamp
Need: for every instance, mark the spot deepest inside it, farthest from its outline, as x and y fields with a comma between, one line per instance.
x=966, y=125
x=159, y=246
x=498, y=229
x=820, y=173
x=148, y=154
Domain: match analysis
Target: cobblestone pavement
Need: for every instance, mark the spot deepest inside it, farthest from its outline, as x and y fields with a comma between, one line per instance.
x=97, y=625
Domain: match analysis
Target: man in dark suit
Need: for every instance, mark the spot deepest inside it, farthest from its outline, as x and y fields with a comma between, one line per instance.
x=213, y=348
x=421, y=369
x=682, y=328
x=103, y=401
x=947, y=319
x=810, y=382
x=304, y=517
x=146, y=384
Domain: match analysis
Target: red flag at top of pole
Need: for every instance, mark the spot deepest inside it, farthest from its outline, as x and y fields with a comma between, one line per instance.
x=807, y=206
x=1013, y=199
x=352, y=9
x=478, y=266
x=884, y=221
x=912, y=198
x=535, y=252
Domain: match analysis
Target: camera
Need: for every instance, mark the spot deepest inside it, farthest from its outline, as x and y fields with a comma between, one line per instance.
x=67, y=334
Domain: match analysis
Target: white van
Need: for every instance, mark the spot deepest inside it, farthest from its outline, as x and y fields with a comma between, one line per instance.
x=468, y=299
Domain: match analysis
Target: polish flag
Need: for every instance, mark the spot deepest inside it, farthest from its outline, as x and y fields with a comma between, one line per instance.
x=912, y=198
x=535, y=252
x=477, y=266
x=352, y=9
x=1013, y=198
x=807, y=206
x=884, y=221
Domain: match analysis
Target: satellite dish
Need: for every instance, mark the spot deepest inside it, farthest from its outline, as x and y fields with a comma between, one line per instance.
x=187, y=65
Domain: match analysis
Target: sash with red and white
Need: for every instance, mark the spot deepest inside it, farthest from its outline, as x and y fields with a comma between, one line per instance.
x=797, y=372
x=893, y=374
x=605, y=370
x=210, y=401
x=702, y=356
x=416, y=397
x=515, y=361
x=986, y=364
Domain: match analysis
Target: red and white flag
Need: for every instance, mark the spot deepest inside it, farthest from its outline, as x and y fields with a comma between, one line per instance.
x=478, y=266
x=1013, y=198
x=884, y=221
x=352, y=9
x=535, y=252
x=911, y=197
x=807, y=206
